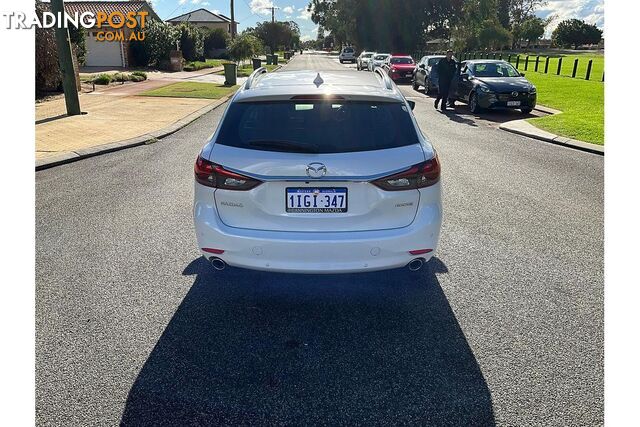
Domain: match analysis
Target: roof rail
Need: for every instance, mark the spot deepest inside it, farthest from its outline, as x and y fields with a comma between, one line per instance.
x=388, y=84
x=253, y=76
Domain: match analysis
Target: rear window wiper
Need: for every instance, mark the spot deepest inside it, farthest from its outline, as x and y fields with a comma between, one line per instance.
x=283, y=146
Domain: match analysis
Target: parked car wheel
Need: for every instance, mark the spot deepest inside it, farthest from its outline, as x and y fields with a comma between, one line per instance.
x=415, y=84
x=473, y=103
x=526, y=110
x=341, y=61
x=427, y=87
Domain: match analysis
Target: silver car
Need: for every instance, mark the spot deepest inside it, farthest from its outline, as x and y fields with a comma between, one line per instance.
x=377, y=60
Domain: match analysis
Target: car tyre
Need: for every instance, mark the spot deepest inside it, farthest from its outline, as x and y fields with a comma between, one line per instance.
x=415, y=84
x=526, y=110
x=473, y=103
x=341, y=61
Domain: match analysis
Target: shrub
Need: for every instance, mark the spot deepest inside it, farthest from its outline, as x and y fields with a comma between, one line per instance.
x=137, y=78
x=218, y=38
x=102, y=79
x=160, y=40
x=191, y=42
x=141, y=74
x=139, y=53
x=121, y=77
x=243, y=47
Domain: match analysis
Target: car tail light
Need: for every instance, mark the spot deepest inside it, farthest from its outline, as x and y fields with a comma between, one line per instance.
x=213, y=175
x=417, y=176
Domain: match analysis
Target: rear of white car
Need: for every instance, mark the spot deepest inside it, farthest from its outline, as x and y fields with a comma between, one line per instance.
x=287, y=183
x=347, y=54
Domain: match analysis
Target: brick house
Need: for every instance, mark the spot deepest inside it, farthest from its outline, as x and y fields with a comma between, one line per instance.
x=109, y=53
x=206, y=19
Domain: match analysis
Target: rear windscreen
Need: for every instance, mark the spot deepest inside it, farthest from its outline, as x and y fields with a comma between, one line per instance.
x=317, y=126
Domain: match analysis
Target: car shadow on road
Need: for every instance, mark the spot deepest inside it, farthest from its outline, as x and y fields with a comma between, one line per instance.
x=249, y=347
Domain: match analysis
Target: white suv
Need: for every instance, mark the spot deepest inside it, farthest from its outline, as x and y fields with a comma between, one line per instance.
x=348, y=54
x=318, y=173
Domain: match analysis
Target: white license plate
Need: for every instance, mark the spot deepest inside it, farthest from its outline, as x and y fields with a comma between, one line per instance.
x=409, y=74
x=513, y=103
x=316, y=200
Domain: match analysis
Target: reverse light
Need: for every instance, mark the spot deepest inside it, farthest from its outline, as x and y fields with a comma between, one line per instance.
x=422, y=175
x=215, y=176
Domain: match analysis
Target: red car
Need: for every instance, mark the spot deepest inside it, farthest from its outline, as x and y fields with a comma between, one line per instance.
x=400, y=67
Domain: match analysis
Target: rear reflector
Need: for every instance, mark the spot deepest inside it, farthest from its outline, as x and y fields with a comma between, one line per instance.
x=420, y=251
x=213, y=251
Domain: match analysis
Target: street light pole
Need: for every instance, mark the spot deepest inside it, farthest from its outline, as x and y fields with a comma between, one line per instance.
x=65, y=60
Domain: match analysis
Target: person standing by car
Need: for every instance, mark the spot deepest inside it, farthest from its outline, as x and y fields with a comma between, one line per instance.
x=446, y=67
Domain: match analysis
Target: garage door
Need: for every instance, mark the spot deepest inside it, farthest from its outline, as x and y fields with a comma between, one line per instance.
x=103, y=53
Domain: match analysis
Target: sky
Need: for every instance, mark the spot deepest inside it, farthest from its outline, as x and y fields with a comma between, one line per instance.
x=249, y=12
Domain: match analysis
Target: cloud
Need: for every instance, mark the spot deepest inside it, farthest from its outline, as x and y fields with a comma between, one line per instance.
x=260, y=6
x=195, y=1
x=182, y=1
x=591, y=11
x=288, y=10
x=304, y=14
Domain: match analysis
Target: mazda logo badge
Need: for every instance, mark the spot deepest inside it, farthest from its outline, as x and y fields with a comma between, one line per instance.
x=514, y=94
x=316, y=170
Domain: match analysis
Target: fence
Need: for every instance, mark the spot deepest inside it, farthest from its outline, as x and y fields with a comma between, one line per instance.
x=568, y=66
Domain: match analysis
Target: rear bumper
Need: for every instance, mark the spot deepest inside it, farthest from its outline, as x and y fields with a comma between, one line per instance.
x=315, y=252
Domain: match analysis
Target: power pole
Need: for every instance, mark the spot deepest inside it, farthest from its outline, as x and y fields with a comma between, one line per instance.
x=233, y=22
x=65, y=60
x=273, y=12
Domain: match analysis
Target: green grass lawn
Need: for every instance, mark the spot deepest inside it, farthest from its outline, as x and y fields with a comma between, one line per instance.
x=582, y=104
x=245, y=70
x=597, y=67
x=192, y=90
x=199, y=65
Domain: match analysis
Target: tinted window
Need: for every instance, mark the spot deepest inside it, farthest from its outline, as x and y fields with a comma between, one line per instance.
x=380, y=57
x=401, y=61
x=433, y=61
x=317, y=126
x=347, y=50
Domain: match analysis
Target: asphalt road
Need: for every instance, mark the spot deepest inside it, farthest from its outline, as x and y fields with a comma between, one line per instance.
x=504, y=327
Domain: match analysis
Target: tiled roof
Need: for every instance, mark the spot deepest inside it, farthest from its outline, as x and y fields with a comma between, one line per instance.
x=200, y=15
x=95, y=6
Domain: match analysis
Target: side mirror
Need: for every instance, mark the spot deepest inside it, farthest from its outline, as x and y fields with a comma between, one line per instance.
x=412, y=104
x=464, y=77
x=521, y=74
x=421, y=66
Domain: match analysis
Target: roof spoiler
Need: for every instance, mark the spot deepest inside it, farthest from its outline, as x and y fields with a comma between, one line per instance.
x=253, y=76
x=386, y=80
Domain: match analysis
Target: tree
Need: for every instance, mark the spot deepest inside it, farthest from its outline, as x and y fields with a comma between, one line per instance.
x=530, y=30
x=492, y=35
x=277, y=35
x=191, y=42
x=575, y=32
x=244, y=47
x=160, y=40
x=218, y=38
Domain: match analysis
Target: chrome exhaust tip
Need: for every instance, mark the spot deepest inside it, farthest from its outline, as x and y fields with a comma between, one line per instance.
x=415, y=264
x=217, y=263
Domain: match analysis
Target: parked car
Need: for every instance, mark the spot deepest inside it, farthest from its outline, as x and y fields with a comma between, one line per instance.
x=494, y=84
x=345, y=182
x=348, y=54
x=377, y=60
x=400, y=67
x=426, y=74
x=363, y=60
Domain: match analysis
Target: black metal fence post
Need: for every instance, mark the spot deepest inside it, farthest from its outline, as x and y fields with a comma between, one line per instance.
x=500, y=56
x=575, y=68
x=517, y=61
x=526, y=62
x=603, y=76
x=589, y=69
x=537, y=61
x=559, y=66
x=546, y=65
x=509, y=59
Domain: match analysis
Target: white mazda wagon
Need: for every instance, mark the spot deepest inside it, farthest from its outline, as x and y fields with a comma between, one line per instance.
x=313, y=172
